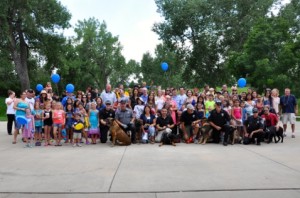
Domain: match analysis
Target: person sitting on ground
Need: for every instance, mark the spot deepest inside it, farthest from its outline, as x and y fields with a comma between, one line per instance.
x=125, y=119
x=219, y=119
x=253, y=128
x=189, y=124
x=164, y=123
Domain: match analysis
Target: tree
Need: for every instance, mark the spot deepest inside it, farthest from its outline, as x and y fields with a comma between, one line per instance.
x=99, y=52
x=28, y=27
x=202, y=33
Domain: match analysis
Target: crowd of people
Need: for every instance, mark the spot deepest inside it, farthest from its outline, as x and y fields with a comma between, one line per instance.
x=147, y=114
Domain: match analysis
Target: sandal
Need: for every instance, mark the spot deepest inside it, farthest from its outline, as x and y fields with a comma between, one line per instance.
x=14, y=142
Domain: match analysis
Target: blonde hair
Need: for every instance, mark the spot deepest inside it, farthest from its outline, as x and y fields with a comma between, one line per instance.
x=276, y=91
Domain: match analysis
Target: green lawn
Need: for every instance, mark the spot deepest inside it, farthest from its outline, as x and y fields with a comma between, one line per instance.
x=2, y=109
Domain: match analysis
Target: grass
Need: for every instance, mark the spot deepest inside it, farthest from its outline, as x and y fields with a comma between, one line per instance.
x=2, y=109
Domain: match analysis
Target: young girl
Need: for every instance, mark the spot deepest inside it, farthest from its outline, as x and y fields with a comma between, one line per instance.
x=236, y=114
x=47, y=117
x=227, y=107
x=58, y=122
x=259, y=103
x=84, y=118
x=38, y=122
x=94, y=122
x=28, y=129
x=69, y=123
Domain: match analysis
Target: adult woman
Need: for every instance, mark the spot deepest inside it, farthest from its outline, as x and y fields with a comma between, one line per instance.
x=267, y=100
x=99, y=104
x=275, y=100
x=171, y=106
x=133, y=98
x=10, y=112
x=149, y=122
x=191, y=99
x=43, y=98
x=159, y=101
x=249, y=104
x=20, y=105
x=254, y=96
x=151, y=103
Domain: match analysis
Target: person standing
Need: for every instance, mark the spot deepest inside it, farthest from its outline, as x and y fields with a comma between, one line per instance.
x=288, y=110
x=10, y=112
x=107, y=94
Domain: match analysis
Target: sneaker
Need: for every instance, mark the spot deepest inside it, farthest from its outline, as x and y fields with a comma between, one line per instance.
x=225, y=143
x=284, y=134
x=87, y=143
x=30, y=146
x=79, y=145
x=26, y=146
x=258, y=144
x=74, y=145
x=293, y=136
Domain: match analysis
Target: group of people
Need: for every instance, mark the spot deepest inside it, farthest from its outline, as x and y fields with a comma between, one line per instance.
x=147, y=115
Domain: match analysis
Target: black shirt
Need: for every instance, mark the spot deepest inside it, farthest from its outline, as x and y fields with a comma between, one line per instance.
x=253, y=124
x=188, y=118
x=104, y=114
x=220, y=118
x=161, y=122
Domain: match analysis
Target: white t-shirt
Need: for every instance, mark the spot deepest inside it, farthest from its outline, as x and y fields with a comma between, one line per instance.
x=276, y=101
x=10, y=108
x=138, y=109
x=159, y=102
x=30, y=102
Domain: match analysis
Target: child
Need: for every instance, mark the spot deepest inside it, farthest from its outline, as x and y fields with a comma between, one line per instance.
x=237, y=114
x=47, y=117
x=69, y=122
x=84, y=119
x=94, y=122
x=58, y=122
x=77, y=130
x=38, y=122
x=28, y=130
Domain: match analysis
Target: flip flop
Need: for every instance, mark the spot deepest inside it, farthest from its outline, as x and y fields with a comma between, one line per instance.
x=14, y=142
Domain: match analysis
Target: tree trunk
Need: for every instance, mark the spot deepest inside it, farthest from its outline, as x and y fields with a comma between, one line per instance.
x=19, y=57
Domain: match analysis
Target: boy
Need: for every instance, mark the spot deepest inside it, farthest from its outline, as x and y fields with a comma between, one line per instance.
x=77, y=126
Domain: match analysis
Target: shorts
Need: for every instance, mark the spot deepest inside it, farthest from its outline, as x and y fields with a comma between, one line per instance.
x=289, y=117
x=57, y=125
x=38, y=129
x=76, y=135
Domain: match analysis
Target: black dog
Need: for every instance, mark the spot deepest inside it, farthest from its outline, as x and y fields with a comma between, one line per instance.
x=271, y=133
x=168, y=138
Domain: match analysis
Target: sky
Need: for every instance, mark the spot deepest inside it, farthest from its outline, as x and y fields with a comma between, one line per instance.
x=130, y=20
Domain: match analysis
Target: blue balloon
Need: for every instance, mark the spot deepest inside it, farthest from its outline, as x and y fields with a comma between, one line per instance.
x=55, y=78
x=21, y=120
x=70, y=88
x=164, y=66
x=39, y=87
x=242, y=82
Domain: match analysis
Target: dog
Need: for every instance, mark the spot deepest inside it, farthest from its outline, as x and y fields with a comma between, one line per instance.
x=272, y=133
x=117, y=133
x=167, y=138
x=235, y=135
x=205, y=130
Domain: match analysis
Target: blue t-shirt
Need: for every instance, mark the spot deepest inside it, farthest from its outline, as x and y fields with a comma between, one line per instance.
x=288, y=103
x=37, y=121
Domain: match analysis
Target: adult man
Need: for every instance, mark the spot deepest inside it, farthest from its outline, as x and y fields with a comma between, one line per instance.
x=253, y=128
x=125, y=118
x=175, y=96
x=107, y=94
x=144, y=96
x=219, y=120
x=30, y=98
x=189, y=123
x=270, y=121
x=181, y=98
x=164, y=124
x=105, y=113
x=288, y=108
x=224, y=88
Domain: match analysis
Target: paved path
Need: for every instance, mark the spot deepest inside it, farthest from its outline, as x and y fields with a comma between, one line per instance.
x=150, y=171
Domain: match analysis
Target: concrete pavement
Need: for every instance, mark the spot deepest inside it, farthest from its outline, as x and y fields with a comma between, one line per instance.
x=150, y=171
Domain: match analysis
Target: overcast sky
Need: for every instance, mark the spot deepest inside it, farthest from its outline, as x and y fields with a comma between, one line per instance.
x=131, y=20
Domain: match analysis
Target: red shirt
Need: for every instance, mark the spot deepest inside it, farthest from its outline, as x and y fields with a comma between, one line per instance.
x=270, y=120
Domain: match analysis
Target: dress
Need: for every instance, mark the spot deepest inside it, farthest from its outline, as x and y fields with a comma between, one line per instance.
x=28, y=129
x=94, y=130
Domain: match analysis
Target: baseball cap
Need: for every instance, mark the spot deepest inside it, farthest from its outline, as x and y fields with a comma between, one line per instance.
x=107, y=102
x=190, y=106
x=254, y=110
x=123, y=101
x=218, y=103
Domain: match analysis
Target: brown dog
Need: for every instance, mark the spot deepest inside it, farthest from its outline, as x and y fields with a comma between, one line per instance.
x=235, y=136
x=117, y=133
x=205, y=130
